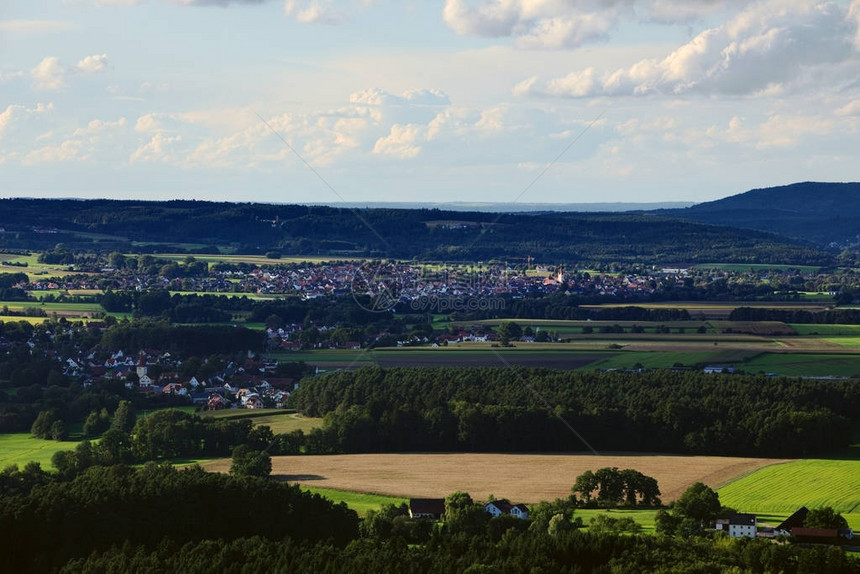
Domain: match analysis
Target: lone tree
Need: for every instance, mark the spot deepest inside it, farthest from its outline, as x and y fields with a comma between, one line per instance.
x=248, y=462
x=697, y=507
x=615, y=487
x=508, y=331
x=699, y=502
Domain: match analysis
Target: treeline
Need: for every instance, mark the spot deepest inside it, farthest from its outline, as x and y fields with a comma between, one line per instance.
x=567, y=307
x=164, y=434
x=8, y=289
x=492, y=410
x=157, y=507
x=828, y=317
x=188, y=308
x=181, y=339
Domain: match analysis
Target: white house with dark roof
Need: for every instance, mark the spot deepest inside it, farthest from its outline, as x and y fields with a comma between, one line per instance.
x=503, y=506
x=741, y=525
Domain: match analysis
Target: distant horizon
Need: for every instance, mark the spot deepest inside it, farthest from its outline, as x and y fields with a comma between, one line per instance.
x=463, y=206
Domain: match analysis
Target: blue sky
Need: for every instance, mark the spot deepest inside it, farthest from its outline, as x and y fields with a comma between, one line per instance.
x=420, y=100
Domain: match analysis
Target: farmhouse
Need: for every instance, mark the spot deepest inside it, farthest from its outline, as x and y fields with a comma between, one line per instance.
x=503, y=506
x=718, y=369
x=432, y=508
x=741, y=525
x=796, y=520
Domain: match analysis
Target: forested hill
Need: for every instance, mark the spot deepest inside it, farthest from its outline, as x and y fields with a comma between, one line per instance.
x=424, y=234
x=823, y=213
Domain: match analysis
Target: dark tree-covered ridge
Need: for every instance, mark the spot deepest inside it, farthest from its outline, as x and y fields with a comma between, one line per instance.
x=393, y=233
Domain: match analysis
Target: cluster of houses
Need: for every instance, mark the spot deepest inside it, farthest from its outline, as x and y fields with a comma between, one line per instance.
x=251, y=383
x=746, y=526
x=434, y=508
x=340, y=278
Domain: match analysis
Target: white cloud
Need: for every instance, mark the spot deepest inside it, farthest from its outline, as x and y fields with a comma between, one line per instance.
x=314, y=12
x=379, y=97
x=400, y=141
x=92, y=64
x=854, y=14
x=568, y=23
x=161, y=148
x=767, y=48
x=96, y=128
x=69, y=150
x=14, y=113
x=48, y=74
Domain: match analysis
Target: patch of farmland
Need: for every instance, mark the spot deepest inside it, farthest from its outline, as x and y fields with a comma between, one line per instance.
x=761, y=328
x=526, y=478
x=826, y=330
x=805, y=364
x=783, y=488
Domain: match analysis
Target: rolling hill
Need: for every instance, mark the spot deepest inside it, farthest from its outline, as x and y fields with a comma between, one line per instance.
x=822, y=213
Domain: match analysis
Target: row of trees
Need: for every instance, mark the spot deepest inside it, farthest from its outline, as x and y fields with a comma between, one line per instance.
x=487, y=409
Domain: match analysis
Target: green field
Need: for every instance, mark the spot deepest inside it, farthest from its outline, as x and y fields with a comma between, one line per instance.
x=644, y=517
x=804, y=364
x=755, y=267
x=357, y=501
x=279, y=420
x=826, y=330
x=21, y=448
x=783, y=488
x=668, y=359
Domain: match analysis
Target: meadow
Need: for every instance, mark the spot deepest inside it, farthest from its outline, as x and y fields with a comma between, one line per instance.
x=279, y=420
x=357, y=501
x=781, y=489
x=21, y=448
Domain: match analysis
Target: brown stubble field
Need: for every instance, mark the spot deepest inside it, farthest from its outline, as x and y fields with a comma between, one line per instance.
x=527, y=478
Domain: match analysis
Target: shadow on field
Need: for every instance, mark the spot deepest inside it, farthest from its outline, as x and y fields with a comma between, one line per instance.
x=297, y=477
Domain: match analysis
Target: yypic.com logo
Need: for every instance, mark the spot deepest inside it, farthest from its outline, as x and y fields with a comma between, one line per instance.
x=376, y=287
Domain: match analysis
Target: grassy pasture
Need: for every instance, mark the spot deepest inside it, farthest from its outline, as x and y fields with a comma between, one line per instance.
x=850, y=342
x=527, y=478
x=783, y=488
x=804, y=364
x=279, y=420
x=21, y=448
x=741, y=267
x=357, y=501
x=667, y=359
x=805, y=329
x=259, y=260
x=645, y=517
x=34, y=269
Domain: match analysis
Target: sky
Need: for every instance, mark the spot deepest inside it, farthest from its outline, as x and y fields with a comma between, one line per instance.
x=533, y=101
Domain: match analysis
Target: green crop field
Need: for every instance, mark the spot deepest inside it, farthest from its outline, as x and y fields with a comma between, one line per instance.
x=358, y=501
x=805, y=364
x=755, y=267
x=783, y=488
x=826, y=330
x=667, y=359
x=849, y=342
x=21, y=448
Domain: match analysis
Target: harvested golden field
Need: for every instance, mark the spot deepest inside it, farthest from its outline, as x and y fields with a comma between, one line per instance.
x=521, y=477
